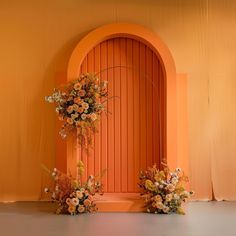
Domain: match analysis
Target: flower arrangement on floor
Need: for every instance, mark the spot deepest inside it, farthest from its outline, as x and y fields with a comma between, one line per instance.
x=73, y=196
x=163, y=190
x=78, y=106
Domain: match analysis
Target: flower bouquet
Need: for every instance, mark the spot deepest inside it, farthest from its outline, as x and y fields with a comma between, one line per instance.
x=163, y=190
x=73, y=196
x=78, y=106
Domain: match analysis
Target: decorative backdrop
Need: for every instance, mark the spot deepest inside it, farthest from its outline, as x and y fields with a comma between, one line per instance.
x=36, y=41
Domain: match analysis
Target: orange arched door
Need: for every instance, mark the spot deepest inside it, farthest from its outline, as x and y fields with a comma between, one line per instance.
x=131, y=136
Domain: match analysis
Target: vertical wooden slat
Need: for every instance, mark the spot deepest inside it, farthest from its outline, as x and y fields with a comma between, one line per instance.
x=136, y=88
x=149, y=106
x=97, y=139
x=117, y=105
x=142, y=123
x=130, y=106
x=103, y=76
x=124, y=116
x=156, y=122
x=111, y=125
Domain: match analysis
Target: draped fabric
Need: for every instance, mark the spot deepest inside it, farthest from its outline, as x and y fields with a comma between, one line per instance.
x=36, y=40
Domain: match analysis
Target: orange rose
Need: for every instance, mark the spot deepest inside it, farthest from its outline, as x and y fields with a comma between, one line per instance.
x=87, y=202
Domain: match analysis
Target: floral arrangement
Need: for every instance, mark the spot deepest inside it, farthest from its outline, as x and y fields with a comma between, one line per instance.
x=78, y=106
x=164, y=191
x=72, y=196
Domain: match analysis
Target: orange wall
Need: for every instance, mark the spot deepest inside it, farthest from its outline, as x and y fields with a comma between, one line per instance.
x=36, y=39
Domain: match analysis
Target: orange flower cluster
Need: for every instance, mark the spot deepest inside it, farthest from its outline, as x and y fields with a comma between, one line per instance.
x=79, y=106
x=163, y=190
x=73, y=196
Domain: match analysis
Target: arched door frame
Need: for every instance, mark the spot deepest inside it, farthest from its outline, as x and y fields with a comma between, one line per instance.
x=150, y=39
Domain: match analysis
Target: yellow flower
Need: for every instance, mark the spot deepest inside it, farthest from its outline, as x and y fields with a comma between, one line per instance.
x=158, y=198
x=180, y=211
x=75, y=107
x=149, y=185
x=85, y=105
x=168, y=197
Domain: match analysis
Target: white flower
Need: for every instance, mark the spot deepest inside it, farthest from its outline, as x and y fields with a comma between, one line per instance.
x=161, y=186
x=53, y=195
x=156, y=184
x=174, y=180
x=176, y=196
x=55, y=169
x=54, y=174
x=46, y=190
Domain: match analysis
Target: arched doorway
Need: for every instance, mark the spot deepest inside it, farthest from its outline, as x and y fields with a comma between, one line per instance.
x=154, y=58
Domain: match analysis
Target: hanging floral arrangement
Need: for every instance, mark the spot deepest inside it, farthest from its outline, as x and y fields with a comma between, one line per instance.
x=163, y=191
x=71, y=194
x=79, y=105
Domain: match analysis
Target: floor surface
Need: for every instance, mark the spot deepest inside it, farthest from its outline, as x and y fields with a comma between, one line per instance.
x=37, y=219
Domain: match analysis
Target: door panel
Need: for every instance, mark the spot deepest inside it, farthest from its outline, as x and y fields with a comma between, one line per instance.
x=130, y=136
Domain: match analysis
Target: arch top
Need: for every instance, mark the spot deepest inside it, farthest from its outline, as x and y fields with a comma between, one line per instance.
x=128, y=30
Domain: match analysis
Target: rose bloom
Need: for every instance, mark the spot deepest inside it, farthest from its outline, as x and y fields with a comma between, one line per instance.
x=77, y=100
x=93, y=116
x=87, y=202
x=74, y=201
x=171, y=187
x=158, y=198
x=71, y=209
x=77, y=86
x=81, y=209
x=168, y=197
x=159, y=205
x=75, y=107
x=69, y=121
x=79, y=194
x=166, y=209
x=85, y=105
x=80, y=109
x=83, y=116
x=82, y=93
x=70, y=109
x=68, y=201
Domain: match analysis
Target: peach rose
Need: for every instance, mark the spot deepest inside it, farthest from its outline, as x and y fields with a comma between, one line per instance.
x=71, y=209
x=77, y=86
x=77, y=100
x=82, y=93
x=79, y=194
x=80, y=110
x=74, y=201
x=70, y=109
x=87, y=202
x=69, y=121
x=81, y=209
